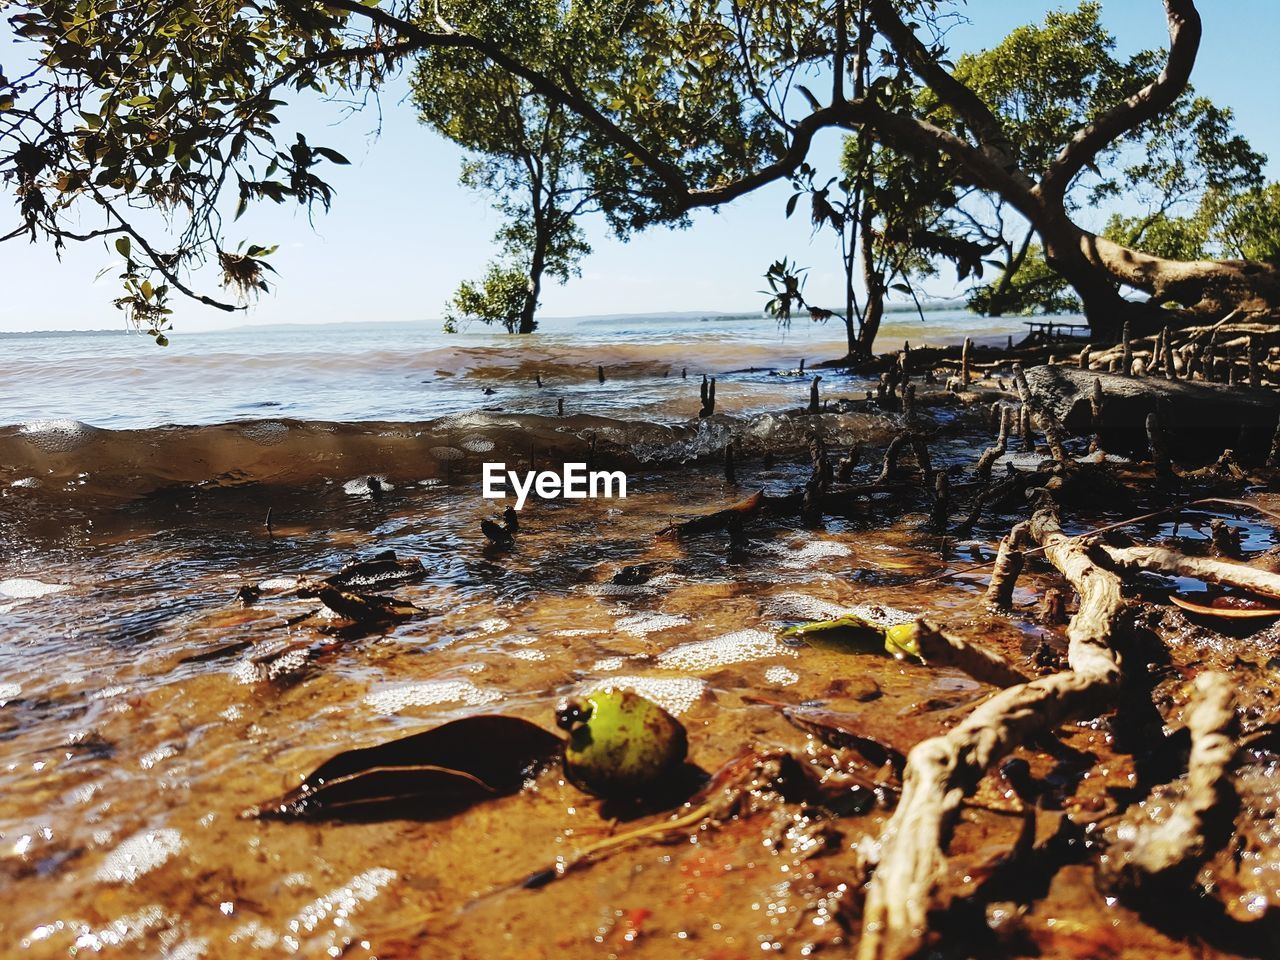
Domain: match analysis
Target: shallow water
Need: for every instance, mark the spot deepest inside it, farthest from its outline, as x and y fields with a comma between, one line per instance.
x=412, y=371
x=143, y=707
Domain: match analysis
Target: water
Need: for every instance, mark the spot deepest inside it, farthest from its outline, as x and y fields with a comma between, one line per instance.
x=413, y=371
x=144, y=707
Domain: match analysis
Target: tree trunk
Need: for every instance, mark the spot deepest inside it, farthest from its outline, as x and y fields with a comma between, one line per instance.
x=537, y=264
x=850, y=315
x=874, y=283
x=994, y=306
x=1199, y=290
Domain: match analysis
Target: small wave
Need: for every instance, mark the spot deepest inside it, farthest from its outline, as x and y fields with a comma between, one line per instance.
x=73, y=459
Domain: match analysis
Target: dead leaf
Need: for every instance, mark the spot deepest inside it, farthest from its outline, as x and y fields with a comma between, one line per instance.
x=1226, y=606
x=425, y=776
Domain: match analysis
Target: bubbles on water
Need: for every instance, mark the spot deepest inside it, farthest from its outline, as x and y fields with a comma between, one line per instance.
x=26, y=483
x=609, y=664
x=23, y=588
x=447, y=454
x=57, y=436
x=275, y=584
x=126, y=929
x=9, y=691
x=799, y=606
x=336, y=907
x=477, y=444
x=643, y=624
x=428, y=693
x=742, y=646
x=266, y=432
x=811, y=553
x=676, y=695
x=362, y=487
x=781, y=676
x=140, y=854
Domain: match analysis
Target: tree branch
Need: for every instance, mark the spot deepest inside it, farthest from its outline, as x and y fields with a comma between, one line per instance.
x=1149, y=102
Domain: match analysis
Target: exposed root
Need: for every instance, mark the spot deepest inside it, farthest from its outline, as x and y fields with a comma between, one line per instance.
x=1004, y=575
x=937, y=647
x=942, y=770
x=1161, y=850
x=1222, y=572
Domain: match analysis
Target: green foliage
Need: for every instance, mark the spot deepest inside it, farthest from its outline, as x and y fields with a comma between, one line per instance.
x=1246, y=224
x=786, y=290
x=500, y=298
x=1034, y=287
x=1047, y=80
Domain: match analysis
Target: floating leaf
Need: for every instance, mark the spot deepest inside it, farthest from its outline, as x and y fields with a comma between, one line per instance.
x=852, y=633
x=425, y=776
x=1227, y=606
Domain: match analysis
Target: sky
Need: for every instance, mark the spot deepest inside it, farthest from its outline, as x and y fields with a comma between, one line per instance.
x=402, y=232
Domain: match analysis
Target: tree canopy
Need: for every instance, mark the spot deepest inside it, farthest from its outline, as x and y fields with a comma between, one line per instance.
x=129, y=112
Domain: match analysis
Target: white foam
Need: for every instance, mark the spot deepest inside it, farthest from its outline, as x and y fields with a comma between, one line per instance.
x=781, y=676
x=477, y=444
x=429, y=693
x=676, y=695
x=359, y=487
x=447, y=453
x=140, y=854
x=643, y=624
x=609, y=664
x=24, y=588
x=57, y=436
x=811, y=553
x=799, y=606
x=9, y=691
x=267, y=433
x=742, y=646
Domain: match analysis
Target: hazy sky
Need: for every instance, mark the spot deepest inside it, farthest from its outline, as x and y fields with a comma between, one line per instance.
x=402, y=232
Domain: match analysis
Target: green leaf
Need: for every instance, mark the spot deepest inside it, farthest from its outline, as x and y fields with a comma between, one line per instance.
x=123, y=247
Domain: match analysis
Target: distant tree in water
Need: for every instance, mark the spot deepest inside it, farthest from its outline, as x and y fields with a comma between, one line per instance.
x=529, y=155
